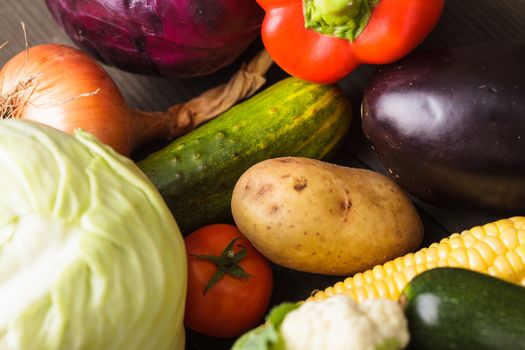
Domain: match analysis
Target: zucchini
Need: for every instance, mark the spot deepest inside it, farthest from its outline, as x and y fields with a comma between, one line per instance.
x=452, y=308
x=197, y=172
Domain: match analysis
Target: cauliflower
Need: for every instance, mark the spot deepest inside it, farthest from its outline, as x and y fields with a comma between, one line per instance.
x=339, y=323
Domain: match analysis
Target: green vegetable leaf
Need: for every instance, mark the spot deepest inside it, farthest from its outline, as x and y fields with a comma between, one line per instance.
x=267, y=336
x=389, y=344
x=260, y=338
x=279, y=312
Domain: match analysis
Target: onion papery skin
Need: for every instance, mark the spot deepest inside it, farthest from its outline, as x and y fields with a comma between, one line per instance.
x=64, y=88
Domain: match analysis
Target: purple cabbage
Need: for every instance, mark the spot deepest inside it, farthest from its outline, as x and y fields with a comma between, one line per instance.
x=176, y=38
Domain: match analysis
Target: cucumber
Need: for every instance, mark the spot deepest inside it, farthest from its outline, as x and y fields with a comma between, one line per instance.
x=451, y=308
x=197, y=172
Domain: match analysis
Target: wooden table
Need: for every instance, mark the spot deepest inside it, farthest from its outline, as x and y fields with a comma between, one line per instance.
x=464, y=22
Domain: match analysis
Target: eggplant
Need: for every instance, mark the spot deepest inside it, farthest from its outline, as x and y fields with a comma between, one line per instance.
x=449, y=125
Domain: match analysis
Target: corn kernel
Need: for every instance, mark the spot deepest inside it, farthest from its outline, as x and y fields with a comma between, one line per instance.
x=371, y=291
x=519, y=222
x=422, y=267
x=504, y=268
x=398, y=263
x=339, y=287
x=368, y=276
x=360, y=294
x=382, y=289
x=517, y=264
x=521, y=236
x=359, y=280
x=476, y=261
x=495, y=243
x=400, y=280
x=443, y=250
x=456, y=242
x=420, y=256
x=485, y=251
x=409, y=259
x=460, y=257
x=520, y=250
x=379, y=272
x=477, y=232
x=392, y=287
x=492, y=271
x=502, y=225
x=329, y=292
x=349, y=283
x=468, y=240
x=444, y=263
x=390, y=268
x=431, y=254
x=490, y=230
x=509, y=238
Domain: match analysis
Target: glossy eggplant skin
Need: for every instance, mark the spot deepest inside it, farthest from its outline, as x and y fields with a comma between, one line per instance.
x=449, y=125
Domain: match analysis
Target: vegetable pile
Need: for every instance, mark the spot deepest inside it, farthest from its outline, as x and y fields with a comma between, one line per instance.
x=99, y=251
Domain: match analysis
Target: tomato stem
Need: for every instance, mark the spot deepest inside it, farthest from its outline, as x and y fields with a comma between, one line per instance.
x=344, y=19
x=227, y=263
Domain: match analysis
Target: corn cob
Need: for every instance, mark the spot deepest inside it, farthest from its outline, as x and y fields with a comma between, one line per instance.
x=497, y=249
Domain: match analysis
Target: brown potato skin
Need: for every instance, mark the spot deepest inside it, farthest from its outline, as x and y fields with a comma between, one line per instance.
x=317, y=217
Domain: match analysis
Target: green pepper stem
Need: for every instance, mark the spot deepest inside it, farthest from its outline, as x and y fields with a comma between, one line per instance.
x=345, y=19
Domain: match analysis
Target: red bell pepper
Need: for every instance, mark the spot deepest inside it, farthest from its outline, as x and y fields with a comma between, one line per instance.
x=324, y=40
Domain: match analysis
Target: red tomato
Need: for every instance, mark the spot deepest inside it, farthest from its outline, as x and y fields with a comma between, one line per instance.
x=232, y=305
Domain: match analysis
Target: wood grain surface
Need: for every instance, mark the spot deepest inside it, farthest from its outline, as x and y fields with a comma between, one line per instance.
x=464, y=22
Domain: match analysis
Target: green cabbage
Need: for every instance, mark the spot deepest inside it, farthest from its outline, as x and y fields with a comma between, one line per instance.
x=90, y=256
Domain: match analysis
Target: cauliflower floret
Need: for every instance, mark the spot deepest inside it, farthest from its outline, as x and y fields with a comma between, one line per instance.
x=339, y=323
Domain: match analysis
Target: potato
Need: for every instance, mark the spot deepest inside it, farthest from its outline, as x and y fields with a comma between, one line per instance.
x=322, y=218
